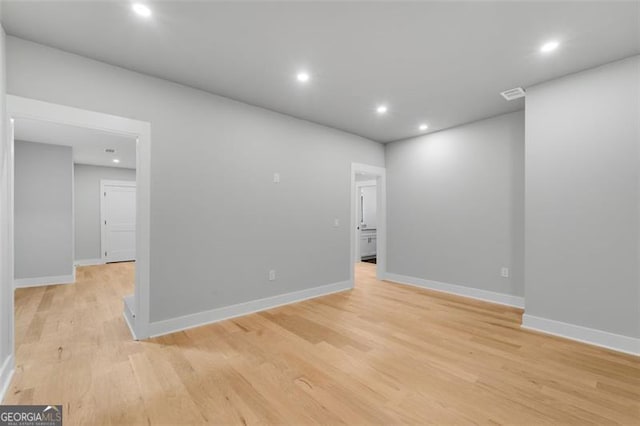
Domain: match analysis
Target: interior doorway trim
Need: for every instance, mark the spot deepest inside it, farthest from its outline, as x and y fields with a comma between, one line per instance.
x=19, y=107
x=381, y=234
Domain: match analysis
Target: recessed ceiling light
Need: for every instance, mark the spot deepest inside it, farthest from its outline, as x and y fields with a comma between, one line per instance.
x=141, y=9
x=381, y=109
x=303, y=77
x=549, y=46
x=423, y=127
x=115, y=160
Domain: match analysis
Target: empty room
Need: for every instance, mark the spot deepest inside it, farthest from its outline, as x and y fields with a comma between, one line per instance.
x=319, y=212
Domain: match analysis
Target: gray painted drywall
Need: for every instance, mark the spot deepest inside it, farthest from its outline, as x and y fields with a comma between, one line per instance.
x=43, y=197
x=455, y=205
x=87, y=205
x=218, y=222
x=582, y=192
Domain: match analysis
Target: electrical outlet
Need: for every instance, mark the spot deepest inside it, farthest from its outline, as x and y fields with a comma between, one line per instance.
x=504, y=272
x=272, y=275
x=336, y=222
x=276, y=178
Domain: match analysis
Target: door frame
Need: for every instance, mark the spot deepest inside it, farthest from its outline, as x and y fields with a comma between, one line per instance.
x=20, y=107
x=103, y=236
x=380, y=174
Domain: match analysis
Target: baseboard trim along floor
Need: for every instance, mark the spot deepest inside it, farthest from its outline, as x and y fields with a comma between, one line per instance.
x=582, y=334
x=128, y=314
x=89, y=262
x=6, y=373
x=41, y=281
x=459, y=290
x=173, y=325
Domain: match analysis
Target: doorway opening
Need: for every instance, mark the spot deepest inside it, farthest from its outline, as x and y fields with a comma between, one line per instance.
x=368, y=219
x=366, y=195
x=118, y=155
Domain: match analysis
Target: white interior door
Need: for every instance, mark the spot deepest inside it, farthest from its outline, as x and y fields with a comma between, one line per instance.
x=369, y=207
x=358, y=222
x=118, y=220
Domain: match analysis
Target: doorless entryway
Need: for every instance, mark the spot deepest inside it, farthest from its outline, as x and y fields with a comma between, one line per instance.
x=131, y=235
x=377, y=176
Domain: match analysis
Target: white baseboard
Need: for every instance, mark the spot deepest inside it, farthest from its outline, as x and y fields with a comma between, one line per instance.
x=129, y=315
x=127, y=320
x=582, y=334
x=89, y=262
x=459, y=290
x=41, y=281
x=6, y=373
x=172, y=325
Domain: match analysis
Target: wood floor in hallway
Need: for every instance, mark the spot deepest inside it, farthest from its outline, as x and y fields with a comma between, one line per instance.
x=382, y=353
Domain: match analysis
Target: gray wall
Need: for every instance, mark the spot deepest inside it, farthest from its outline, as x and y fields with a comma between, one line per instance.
x=87, y=206
x=43, y=197
x=582, y=195
x=455, y=205
x=218, y=222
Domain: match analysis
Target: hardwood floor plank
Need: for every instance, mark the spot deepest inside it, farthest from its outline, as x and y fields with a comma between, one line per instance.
x=382, y=353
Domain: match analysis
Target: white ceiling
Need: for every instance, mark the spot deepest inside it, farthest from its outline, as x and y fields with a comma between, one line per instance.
x=443, y=63
x=88, y=145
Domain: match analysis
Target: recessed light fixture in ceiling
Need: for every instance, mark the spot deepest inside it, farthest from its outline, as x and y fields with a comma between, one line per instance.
x=115, y=160
x=303, y=77
x=382, y=109
x=549, y=46
x=141, y=9
x=423, y=127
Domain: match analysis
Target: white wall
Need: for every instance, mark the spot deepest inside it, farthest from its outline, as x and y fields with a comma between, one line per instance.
x=455, y=205
x=87, y=206
x=43, y=206
x=582, y=192
x=218, y=222
x=6, y=262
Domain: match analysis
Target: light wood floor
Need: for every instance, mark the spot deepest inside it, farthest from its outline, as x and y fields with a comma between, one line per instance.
x=382, y=353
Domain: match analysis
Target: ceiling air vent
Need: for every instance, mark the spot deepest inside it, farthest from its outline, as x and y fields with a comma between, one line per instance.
x=512, y=94
x=109, y=150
